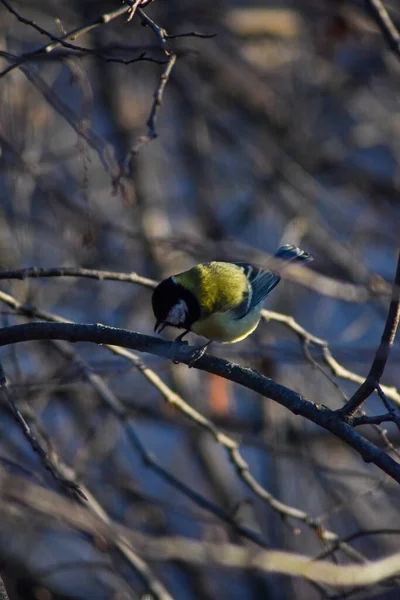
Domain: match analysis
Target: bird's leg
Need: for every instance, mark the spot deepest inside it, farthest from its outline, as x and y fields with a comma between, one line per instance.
x=198, y=353
x=179, y=338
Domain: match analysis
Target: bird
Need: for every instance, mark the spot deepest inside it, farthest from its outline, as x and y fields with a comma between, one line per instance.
x=220, y=301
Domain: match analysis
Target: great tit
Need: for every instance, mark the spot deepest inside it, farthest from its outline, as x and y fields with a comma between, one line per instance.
x=220, y=301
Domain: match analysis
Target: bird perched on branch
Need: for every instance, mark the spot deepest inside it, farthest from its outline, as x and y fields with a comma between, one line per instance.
x=220, y=301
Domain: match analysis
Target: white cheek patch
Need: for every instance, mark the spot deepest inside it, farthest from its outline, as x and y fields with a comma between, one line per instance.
x=177, y=314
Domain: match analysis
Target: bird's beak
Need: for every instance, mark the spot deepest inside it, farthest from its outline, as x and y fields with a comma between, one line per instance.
x=159, y=326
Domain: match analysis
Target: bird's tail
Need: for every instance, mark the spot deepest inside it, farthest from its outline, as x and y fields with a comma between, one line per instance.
x=293, y=253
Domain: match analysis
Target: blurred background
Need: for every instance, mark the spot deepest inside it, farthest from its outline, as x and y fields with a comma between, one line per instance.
x=282, y=128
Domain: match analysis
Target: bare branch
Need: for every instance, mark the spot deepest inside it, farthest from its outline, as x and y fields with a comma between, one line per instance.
x=66, y=476
x=336, y=368
x=303, y=276
x=378, y=366
x=231, y=445
x=57, y=41
x=36, y=272
x=189, y=551
x=164, y=78
x=204, y=36
x=376, y=420
x=386, y=25
x=251, y=379
x=288, y=321
x=60, y=473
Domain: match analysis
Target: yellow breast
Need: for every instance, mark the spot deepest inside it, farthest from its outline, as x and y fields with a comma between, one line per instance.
x=220, y=289
x=222, y=328
x=215, y=285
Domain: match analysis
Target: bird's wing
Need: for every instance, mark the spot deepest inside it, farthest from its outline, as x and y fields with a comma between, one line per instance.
x=260, y=284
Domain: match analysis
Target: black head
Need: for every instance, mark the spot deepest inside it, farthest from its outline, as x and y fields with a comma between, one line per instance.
x=174, y=305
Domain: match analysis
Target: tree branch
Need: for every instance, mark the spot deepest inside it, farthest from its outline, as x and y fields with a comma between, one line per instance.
x=374, y=420
x=386, y=25
x=100, y=334
x=15, y=491
x=308, y=338
x=287, y=320
x=37, y=272
x=159, y=92
x=232, y=447
x=57, y=41
x=61, y=473
x=378, y=366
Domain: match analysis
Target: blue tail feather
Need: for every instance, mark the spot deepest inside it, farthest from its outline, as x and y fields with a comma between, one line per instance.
x=262, y=281
x=289, y=253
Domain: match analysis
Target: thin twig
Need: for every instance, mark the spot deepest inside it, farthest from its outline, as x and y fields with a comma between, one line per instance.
x=336, y=368
x=36, y=272
x=389, y=408
x=148, y=458
x=67, y=477
x=386, y=25
x=89, y=517
x=133, y=5
x=16, y=491
x=170, y=55
x=356, y=535
x=378, y=366
x=164, y=78
x=154, y=584
x=375, y=420
x=320, y=368
x=57, y=41
x=204, y=36
x=60, y=473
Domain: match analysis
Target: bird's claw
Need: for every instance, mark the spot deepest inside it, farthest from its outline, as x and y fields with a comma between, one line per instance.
x=197, y=354
x=174, y=348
